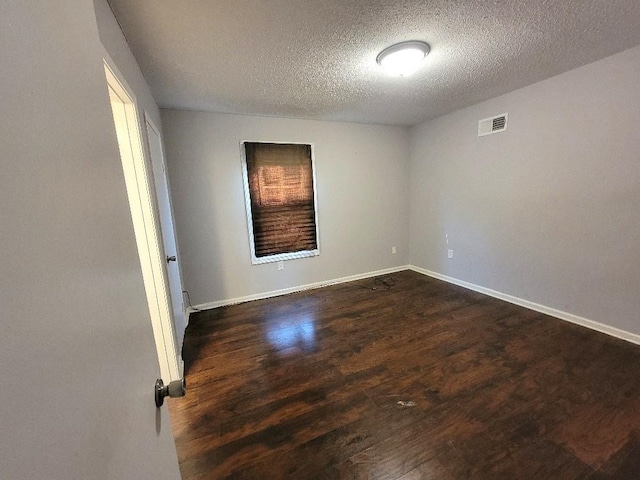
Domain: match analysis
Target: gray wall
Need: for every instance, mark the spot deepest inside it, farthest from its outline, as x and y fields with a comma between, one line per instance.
x=548, y=211
x=117, y=48
x=362, y=188
x=77, y=356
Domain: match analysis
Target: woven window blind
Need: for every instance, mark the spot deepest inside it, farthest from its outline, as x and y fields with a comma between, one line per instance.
x=280, y=181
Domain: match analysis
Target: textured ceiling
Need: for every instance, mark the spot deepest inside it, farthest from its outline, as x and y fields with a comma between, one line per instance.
x=316, y=58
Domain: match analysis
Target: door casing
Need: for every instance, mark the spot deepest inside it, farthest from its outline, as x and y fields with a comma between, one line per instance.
x=167, y=226
x=143, y=206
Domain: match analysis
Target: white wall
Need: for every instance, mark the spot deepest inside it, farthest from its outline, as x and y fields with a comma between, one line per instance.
x=77, y=356
x=362, y=188
x=548, y=211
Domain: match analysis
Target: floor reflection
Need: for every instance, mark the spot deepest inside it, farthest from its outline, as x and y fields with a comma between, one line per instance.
x=287, y=334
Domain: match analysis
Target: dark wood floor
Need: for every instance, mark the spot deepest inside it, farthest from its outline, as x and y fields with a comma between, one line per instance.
x=416, y=379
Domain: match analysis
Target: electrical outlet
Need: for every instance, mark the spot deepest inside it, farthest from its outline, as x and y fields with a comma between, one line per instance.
x=393, y=250
x=449, y=253
x=280, y=265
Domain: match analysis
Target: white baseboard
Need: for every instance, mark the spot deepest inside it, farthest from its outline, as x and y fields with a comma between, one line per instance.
x=300, y=288
x=569, y=317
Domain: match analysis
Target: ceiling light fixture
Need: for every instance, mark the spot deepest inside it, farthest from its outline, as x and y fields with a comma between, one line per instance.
x=403, y=58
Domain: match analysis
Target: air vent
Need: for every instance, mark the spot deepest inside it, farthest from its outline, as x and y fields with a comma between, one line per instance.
x=491, y=125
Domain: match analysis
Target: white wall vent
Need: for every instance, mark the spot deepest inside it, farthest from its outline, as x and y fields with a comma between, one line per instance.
x=490, y=125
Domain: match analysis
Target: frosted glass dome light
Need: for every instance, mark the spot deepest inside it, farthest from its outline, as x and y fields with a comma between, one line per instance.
x=403, y=59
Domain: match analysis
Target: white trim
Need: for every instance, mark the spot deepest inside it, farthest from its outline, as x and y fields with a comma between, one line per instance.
x=569, y=317
x=300, y=288
x=150, y=125
x=247, y=200
x=135, y=164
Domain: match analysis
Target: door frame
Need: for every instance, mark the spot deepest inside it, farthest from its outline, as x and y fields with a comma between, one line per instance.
x=179, y=324
x=144, y=214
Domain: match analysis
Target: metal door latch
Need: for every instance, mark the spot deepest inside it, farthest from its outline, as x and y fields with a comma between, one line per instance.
x=177, y=388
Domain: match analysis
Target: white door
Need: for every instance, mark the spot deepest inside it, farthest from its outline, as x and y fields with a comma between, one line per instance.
x=167, y=226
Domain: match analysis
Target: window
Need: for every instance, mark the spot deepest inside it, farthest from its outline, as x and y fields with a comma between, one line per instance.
x=280, y=199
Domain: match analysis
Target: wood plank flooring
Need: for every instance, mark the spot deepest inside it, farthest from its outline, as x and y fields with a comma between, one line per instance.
x=416, y=379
